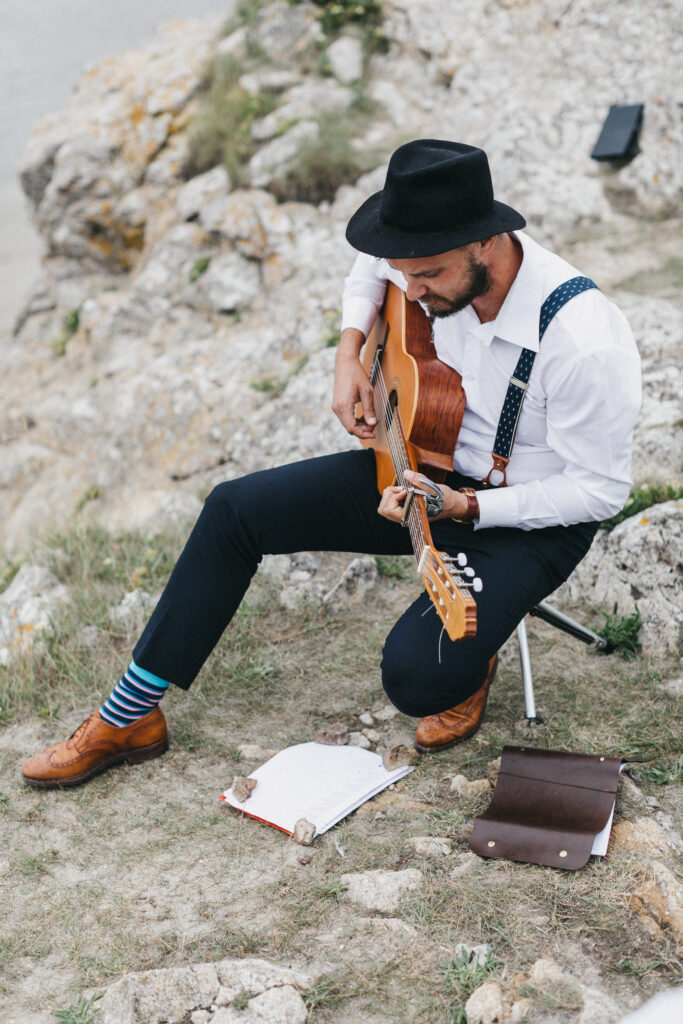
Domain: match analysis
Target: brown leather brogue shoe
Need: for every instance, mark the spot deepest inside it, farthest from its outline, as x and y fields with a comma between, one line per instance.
x=439, y=732
x=94, y=747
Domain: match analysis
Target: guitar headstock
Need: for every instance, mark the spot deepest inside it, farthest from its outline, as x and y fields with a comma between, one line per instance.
x=450, y=585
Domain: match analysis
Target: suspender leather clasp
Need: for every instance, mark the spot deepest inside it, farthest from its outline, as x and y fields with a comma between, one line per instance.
x=496, y=475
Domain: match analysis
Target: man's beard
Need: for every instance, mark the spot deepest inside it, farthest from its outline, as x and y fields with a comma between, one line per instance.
x=478, y=283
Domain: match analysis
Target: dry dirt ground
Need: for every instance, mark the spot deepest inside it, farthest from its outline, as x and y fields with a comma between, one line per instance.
x=144, y=867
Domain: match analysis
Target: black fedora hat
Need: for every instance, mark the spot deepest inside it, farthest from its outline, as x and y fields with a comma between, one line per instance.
x=437, y=196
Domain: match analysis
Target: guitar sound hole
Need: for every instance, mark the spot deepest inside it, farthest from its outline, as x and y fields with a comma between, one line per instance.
x=391, y=405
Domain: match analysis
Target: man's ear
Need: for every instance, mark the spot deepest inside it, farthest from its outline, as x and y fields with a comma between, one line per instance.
x=485, y=246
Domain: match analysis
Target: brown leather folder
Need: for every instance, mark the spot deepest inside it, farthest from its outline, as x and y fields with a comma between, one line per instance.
x=547, y=807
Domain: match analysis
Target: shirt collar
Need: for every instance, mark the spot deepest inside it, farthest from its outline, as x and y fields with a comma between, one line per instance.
x=518, y=317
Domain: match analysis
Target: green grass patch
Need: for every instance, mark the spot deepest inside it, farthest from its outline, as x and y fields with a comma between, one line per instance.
x=69, y=328
x=328, y=161
x=642, y=498
x=199, y=267
x=394, y=567
x=221, y=132
x=365, y=15
x=621, y=633
x=463, y=973
x=80, y=1012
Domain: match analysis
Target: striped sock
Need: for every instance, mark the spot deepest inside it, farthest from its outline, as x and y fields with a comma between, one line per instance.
x=136, y=694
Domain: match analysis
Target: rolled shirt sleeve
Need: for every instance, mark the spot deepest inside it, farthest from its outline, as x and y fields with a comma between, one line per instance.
x=364, y=291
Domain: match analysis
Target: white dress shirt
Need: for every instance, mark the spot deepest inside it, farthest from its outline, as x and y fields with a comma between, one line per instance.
x=571, y=460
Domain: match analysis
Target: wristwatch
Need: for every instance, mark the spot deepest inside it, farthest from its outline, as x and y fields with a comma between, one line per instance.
x=472, y=511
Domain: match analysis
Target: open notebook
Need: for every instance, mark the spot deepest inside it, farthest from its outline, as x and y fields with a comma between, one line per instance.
x=317, y=782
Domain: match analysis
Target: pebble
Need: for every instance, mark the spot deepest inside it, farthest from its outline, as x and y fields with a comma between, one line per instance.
x=398, y=755
x=304, y=832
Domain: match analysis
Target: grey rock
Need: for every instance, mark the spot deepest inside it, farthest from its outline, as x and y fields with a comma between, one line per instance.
x=357, y=739
x=486, y=1004
x=431, y=846
x=598, y=1008
x=381, y=890
x=345, y=55
x=271, y=80
x=230, y=283
x=133, y=609
x=476, y=955
x=638, y=563
x=309, y=100
x=199, y=190
x=284, y=31
x=27, y=608
x=276, y=157
x=159, y=997
x=359, y=577
x=304, y=832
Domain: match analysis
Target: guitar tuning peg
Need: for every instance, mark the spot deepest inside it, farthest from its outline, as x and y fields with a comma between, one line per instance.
x=469, y=571
x=461, y=559
x=477, y=585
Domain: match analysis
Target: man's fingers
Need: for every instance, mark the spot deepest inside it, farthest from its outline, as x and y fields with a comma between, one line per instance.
x=367, y=401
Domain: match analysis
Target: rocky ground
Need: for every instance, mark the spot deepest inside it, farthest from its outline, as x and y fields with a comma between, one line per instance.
x=182, y=332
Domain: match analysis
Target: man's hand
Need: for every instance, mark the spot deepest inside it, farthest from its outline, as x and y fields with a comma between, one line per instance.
x=351, y=385
x=391, y=505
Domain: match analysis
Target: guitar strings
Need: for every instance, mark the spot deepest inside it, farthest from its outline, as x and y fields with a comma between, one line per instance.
x=400, y=460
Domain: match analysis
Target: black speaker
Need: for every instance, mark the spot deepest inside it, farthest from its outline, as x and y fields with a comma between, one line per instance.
x=618, y=139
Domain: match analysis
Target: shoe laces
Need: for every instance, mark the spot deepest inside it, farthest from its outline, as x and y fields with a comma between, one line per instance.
x=77, y=733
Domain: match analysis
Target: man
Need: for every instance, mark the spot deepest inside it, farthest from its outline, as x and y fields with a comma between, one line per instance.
x=436, y=231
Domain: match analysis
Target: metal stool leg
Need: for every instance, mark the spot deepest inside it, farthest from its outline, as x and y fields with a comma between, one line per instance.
x=545, y=611
x=560, y=621
x=529, y=699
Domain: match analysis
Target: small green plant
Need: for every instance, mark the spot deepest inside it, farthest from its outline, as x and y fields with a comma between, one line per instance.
x=325, y=162
x=465, y=972
x=331, y=333
x=199, y=267
x=641, y=498
x=326, y=993
x=221, y=132
x=80, y=1012
x=9, y=571
x=621, y=633
x=69, y=327
x=241, y=1000
x=274, y=386
x=91, y=493
x=661, y=774
x=335, y=14
x=392, y=567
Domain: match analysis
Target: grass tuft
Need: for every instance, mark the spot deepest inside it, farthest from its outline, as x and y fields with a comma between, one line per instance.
x=642, y=498
x=80, y=1012
x=69, y=328
x=221, y=133
x=621, y=633
x=326, y=162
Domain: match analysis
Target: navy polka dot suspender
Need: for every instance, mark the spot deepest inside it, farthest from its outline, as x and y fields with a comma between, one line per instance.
x=512, y=406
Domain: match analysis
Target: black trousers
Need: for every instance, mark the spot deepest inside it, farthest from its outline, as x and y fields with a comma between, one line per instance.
x=330, y=504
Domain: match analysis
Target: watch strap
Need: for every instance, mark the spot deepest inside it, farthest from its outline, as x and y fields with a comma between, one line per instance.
x=472, y=511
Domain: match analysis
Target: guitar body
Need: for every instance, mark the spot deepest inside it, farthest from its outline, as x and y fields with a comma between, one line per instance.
x=427, y=393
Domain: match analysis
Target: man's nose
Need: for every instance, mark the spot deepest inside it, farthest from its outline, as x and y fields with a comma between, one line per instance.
x=415, y=290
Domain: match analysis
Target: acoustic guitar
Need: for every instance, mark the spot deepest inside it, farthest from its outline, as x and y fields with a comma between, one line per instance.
x=419, y=403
